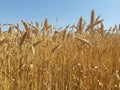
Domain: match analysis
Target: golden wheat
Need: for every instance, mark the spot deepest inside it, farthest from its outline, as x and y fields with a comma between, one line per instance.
x=46, y=58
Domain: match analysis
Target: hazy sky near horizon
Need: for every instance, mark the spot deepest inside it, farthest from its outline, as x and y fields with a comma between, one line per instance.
x=67, y=11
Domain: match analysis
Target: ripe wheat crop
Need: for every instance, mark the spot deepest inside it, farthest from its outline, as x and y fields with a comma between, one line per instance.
x=77, y=57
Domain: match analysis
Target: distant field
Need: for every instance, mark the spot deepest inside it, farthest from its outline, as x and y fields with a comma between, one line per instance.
x=77, y=57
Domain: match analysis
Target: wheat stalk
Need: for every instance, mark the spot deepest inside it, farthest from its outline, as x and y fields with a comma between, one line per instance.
x=80, y=26
x=25, y=25
x=36, y=43
x=23, y=39
x=102, y=29
x=84, y=41
x=46, y=24
x=55, y=48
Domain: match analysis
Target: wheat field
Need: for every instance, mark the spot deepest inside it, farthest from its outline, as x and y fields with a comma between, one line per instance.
x=43, y=57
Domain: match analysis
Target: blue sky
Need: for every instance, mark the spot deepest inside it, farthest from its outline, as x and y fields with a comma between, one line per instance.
x=67, y=11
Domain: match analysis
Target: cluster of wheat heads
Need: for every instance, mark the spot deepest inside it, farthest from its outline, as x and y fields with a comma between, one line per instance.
x=77, y=57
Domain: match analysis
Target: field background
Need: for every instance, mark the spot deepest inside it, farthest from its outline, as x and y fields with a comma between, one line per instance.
x=77, y=57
